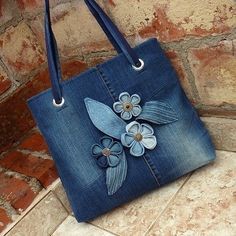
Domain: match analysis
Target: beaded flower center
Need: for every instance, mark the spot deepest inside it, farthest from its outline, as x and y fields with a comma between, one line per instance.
x=127, y=106
x=138, y=137
x=106, y=152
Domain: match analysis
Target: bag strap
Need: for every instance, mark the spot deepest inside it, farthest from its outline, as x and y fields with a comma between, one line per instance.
x=110, y=29
x=112, y=32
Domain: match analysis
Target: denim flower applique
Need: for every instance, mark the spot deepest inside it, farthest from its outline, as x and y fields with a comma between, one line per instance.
x=110, y=155
x=107, y=154
x=128, y=105
x=138, y=137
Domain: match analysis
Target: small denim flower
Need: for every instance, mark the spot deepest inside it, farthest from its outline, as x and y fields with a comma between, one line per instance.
x=128, y=105
x=107, y=153
x=138, y=137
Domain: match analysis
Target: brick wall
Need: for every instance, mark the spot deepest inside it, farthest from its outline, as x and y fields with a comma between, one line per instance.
x=199, y=38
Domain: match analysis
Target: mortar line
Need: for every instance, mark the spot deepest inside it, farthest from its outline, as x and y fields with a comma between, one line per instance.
x=37, y=154
x=190, y=76
x=42, y=195
x=33, y=182
x=55, y=194
x=196, y=42
x=70, y=214
x=169, y=203
x=99, y=227
x=15, y=145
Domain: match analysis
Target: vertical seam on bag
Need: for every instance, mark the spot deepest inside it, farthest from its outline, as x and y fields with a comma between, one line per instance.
x=152, y=169
x=107, y=84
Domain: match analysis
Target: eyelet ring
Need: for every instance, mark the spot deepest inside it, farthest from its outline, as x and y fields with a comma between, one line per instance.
x=58, y=104
x=140, y=67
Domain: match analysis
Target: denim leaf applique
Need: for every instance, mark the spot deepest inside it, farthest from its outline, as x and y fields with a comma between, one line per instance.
x=109, y=154
x=128, y=105
x=138, y=137
x=115, y=176
x=104, y=118
x=158, y=113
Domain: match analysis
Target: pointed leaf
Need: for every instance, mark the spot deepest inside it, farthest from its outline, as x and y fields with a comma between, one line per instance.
x=115, y=176
x=158, y=113
x=104, y=118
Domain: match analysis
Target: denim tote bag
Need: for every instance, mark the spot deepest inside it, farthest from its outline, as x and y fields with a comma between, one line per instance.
x=120, y=129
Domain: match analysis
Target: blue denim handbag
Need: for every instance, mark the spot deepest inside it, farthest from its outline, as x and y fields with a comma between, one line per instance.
x=120, y=129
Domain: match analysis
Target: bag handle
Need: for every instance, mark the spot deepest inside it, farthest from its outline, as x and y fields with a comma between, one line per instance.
x=112, y=32
x=110, y=29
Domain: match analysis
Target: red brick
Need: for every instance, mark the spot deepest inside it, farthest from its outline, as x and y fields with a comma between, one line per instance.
x=7, y=11
x=112, y=3
x=172, y=20
x=178, y=65
x=82, y=38
x=1, y=7
x=72, y=68
x=94, y=61
x=214, y=68
x=33, y=5
x=49, y=176
x=29, y=4
x=29, y=165
x=34, y=142
x=5, y=83
x=15, y=117
x=4, y=219
x=16, y=191
x=20, y=49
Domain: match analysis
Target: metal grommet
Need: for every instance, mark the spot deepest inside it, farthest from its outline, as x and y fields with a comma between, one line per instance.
x=59, y=104
x=140, y=67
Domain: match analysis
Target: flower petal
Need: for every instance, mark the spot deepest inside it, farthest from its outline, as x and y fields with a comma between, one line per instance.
x=127, y=139
x=134, y=127
x=136, y=110
x=113, y=160
x=118, y=107
x=106, y=141
x=124, y=97
x=149, y=141
x=116, y=148
x=96, y=150
x=102, y=162
x=126, y=115
x=135, y=99
x=137, y=149
x=147, y=129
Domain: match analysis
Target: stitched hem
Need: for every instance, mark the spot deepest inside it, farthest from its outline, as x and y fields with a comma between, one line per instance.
x=107, y=84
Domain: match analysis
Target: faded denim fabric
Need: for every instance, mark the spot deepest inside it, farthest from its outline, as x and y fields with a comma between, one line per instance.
x=183, y=143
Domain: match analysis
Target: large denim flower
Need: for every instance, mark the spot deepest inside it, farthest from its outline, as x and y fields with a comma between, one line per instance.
x=107, y=153
x=128, y=105
x=138, y=137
